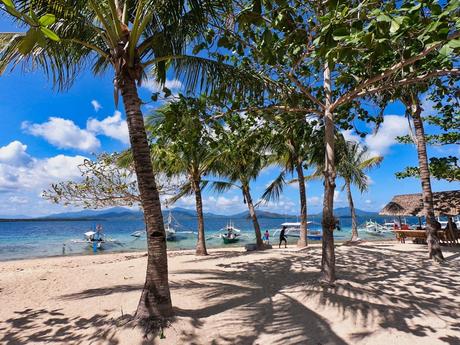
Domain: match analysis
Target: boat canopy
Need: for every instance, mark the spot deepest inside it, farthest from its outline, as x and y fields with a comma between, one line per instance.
x=293, y=224
x=90, y=233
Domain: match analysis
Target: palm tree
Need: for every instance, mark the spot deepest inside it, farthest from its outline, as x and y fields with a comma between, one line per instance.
x=353, y=161
x=179, y=131
x=414, y=110
x=131, y=38
x=290, y=146
x=242, y=154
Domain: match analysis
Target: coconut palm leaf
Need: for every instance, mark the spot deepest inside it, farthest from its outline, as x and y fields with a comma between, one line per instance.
x=275, y=188
x=184, y=190
x=222, y=186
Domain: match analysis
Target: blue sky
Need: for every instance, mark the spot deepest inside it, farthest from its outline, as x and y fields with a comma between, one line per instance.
x=46, y=134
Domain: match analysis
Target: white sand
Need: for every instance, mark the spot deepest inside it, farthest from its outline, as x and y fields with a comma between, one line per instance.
x=386, y=294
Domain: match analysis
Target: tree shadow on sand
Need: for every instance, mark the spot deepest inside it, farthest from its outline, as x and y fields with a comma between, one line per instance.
x=40, y=326
x=266, y=301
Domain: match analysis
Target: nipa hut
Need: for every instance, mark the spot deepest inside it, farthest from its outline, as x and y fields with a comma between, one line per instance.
x=445, y=204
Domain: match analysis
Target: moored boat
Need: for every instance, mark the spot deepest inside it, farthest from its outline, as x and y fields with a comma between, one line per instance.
x=95, y=238
x=293, y=230
x=230, y=234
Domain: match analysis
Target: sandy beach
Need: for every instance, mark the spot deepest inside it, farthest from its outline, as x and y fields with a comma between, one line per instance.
x=387, y=293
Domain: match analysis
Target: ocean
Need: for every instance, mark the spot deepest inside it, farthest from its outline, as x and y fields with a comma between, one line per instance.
x=31, y=239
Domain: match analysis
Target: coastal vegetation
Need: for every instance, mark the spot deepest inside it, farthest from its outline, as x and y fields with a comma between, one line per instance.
x=265, y=83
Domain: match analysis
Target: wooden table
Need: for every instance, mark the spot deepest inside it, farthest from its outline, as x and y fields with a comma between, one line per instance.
x=401, y=235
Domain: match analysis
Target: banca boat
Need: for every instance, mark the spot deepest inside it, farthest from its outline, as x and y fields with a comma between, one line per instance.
x=230, y=234
x=293, y=230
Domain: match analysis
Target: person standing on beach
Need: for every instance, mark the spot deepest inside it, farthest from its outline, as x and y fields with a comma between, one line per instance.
x=283, y=238
x=267, y=237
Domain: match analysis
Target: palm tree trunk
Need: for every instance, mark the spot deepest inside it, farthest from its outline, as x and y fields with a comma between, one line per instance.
x=302, y=242
x=201, y=243
x=328, y=221
x=432, y=226
x=252, y=213
x=354, y=226
x=155, y=306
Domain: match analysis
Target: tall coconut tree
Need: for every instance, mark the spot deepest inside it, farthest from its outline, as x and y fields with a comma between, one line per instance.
x=414, y=111
x=180, y=132
x=292, y=135
x=242, y=153
x=131, y=39
x=353, y=162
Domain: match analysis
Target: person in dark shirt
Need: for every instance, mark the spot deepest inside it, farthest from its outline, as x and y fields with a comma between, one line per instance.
x=283, y=238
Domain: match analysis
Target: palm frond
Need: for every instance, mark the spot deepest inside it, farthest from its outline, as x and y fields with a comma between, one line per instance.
x=206, y=75
x=222, y=186
x=275, y=188
x=371, y=162
x=125, y=159
x=185, y=189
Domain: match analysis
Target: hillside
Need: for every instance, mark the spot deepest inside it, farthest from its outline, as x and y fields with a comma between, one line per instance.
x=125, y=214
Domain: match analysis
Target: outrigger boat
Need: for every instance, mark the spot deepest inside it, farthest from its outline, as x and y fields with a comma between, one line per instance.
x=293, y=230
x=170, y=231
x=376, y=229
x=171, y=234
x=373, y=228
x=96, y=239
x=230, y=234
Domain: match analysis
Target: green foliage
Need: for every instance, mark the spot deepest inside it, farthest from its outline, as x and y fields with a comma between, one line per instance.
x=135, y=38
x=38, y=29
x=182, y=141
x=291, y=139
x=444, y=121
x=242, y=148
x=444, y=168
x=353, y=162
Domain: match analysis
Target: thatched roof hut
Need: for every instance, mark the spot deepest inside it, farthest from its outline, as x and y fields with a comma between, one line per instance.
x=445, y=204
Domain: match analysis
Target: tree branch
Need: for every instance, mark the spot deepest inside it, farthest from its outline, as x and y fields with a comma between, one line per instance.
x=305, y=91
x=412, y=80
x=371, y=81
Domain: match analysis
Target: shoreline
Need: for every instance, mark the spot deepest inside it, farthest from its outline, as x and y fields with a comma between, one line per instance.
x=192, y=250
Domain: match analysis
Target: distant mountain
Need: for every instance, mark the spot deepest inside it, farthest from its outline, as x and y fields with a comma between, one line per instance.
x=14, y=216
x=179, y=213
x=89, y=213
x=263, y=215
x=122, y=213
x=344, y=212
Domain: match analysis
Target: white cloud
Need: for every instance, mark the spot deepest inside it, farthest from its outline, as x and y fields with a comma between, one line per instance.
x=368, y=202
x=283, y=204
x=14, y=154
x=380, y=142
x=187, y=201
x=96, y=105
x=338, y=197
x=370, y=181
x=112, y=126
x=64, y=134
x=153, y=86
x=222, y=202
x=20, y=174
x=427, y=106
x=18, y=200
x=314, y=201
x=350, y=136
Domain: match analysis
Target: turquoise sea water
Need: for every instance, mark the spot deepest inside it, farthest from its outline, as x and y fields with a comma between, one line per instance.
x=46, y=238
